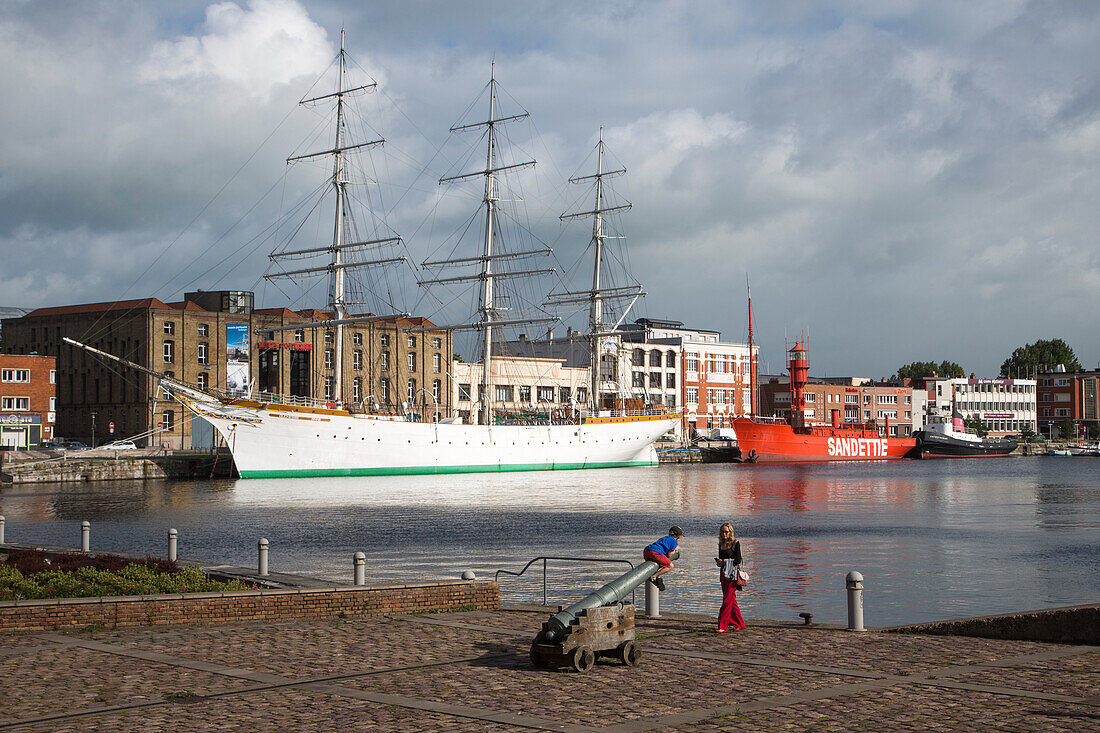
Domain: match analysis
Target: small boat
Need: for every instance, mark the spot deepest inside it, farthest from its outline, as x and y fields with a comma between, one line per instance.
x=1083, y=449
x=1058, y=452
x=951, y=440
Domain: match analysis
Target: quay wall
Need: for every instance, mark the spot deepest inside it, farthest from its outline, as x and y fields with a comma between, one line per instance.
x=260, y=605
x=21, y=467
x=1069, y=625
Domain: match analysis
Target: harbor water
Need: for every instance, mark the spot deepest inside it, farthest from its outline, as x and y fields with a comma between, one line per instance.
x=933, y=539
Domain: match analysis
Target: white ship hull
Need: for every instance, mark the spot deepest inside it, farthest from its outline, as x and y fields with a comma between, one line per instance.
x=272, y=441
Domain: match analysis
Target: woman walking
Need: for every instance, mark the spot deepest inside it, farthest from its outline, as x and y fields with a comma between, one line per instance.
x=729, y=559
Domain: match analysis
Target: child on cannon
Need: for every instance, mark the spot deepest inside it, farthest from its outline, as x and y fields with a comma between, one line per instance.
x=659, y=551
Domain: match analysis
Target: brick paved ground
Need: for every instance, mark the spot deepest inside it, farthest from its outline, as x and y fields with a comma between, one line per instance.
x=470, y=671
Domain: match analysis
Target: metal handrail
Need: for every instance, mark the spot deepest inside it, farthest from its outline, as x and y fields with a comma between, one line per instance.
x=566, y=559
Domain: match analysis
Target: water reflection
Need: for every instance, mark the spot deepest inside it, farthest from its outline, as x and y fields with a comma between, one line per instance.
x=934, y=539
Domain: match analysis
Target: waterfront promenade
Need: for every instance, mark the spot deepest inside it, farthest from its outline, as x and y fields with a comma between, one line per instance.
x=470, y=671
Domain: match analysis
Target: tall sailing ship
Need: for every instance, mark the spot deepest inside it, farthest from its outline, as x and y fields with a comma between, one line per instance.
x=271, y=438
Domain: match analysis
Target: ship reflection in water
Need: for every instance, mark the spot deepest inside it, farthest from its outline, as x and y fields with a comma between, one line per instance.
x=933, y=539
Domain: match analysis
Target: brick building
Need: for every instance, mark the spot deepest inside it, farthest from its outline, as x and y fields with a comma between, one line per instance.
x=854, y=399
x=27, y=400
x=218, y=342
x=1068, y=396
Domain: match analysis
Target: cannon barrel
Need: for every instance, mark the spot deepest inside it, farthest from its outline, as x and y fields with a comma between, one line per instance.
x=613, y=592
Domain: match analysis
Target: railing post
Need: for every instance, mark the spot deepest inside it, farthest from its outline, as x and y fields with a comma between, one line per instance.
x=85, y=536
x=261, y=564
x=173, y=544
x=544, y=581
x=652, y=600
x=360, y=562
x=2, y=521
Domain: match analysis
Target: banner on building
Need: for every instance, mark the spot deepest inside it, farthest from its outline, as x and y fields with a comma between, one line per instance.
x=236, y=358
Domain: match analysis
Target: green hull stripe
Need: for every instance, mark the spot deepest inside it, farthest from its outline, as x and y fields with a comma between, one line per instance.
x=411, y=470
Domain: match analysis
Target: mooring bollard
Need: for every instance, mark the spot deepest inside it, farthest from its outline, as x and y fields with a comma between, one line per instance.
x=469, y=575
x=854, y=582
x=261, y=564
x=360, y=568
x=2, y=520
x=652, y=600
x=85, y=536
x=173, y=543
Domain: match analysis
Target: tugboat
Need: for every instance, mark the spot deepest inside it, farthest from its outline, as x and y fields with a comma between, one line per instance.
x=944, y=440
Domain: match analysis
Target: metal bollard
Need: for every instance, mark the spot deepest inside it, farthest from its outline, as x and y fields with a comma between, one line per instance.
x=2, y=520
x=652, y=600
x=469, y=575
x=85, y=536
x=261, y=564
x=360, y=568
x=173, y=544
x=854, y=582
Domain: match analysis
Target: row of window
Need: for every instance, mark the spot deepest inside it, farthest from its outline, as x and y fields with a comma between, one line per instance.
x=1014, y=406
x=300, y=336
x=638, y=380
x=509, y=393
x=637, y=358
x=719, y=396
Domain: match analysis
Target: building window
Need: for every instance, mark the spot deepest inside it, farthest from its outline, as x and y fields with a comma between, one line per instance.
x=329, y=337
x=693, y=362
x=384, y=361
x=887, y=399
x=545, y=394
x=53, y=376
x=504, y=392
x=670, y=380
x=655, y=379
x=53, y=404
x=384, y=390
x=204, y=330
x=299, y=336
x=168, y=420
x=412, y=389
x=16, y=404
x=357, y=359
x=357, y=338
x=637, y=379
x=437, y=343
x=17, y=375
x=670, y=359
x=328, y=388
x=851, y=399
x=412, y=342
x=203, y=348
x=564, y=395
x=169, y=352
x=384, y=339
x=202, y=381
x=464, y=393
x=655, y=358
x=437, y=363
x=437, y=388
x=692, y=394
x=412, y=361
x=525, y=394
x=328, y=358
x=357, y=389
x=582, y=394
x=637, y=357
x=169, y=327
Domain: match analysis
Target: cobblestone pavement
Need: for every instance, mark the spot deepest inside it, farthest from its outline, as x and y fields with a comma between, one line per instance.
x=471, y=671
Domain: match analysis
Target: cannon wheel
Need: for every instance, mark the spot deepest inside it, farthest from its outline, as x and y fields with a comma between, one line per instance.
x=537, y=658
x=629, y=653
x=583, y=658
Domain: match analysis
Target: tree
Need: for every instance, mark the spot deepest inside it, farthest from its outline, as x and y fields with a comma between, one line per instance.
x=975, y=425
x=918, y=371
x=1094, y=432
x=1027, y=432
x=1040, y=356
x=1067, y=429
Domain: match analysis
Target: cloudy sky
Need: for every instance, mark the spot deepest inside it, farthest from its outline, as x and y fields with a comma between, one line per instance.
x=900, y=181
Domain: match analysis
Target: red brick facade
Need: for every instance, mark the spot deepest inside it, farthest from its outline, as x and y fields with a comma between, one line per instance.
x=1072, y=397
x=265, y=605
x=27, y=404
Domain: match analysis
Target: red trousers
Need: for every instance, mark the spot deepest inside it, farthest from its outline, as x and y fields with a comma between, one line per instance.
x=729, y=617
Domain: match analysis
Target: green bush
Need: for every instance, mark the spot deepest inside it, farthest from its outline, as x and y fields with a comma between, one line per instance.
x=132, y=580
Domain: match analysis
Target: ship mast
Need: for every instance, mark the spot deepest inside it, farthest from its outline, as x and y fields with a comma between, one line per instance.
x=598, y=294
x=752, y=358
x=488, y=311
x=337, y=266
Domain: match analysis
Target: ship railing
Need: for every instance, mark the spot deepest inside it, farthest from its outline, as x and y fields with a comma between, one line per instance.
x=770, y=420
x=544, y=560
x=653, y=410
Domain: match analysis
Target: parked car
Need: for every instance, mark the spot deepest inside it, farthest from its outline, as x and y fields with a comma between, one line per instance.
x=51, y=445
x=120, y=445
x=73, y=445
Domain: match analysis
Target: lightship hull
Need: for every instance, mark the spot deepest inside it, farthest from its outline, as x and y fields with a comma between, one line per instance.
x=273, y=441
x=780, y=442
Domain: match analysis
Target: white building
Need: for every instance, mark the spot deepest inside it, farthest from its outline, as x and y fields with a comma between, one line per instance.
x=1004, y=405
x=521, y=386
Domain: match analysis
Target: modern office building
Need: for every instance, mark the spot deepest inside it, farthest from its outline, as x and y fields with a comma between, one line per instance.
x=217, y=341
x=1005, y=406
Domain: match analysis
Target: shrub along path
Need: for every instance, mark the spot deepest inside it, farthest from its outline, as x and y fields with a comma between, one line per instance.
x=470, y=671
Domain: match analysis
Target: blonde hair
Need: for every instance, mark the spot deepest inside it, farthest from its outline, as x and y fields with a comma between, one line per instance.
x=722, y=541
